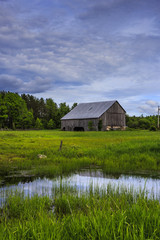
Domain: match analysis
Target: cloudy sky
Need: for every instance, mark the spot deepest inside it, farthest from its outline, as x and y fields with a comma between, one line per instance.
x=83, y=51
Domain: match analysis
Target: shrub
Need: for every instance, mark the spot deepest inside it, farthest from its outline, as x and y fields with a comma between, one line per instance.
x=38, y=124
x=51, y=124
x=90, y=125
x=153, y=128
x=100, y=125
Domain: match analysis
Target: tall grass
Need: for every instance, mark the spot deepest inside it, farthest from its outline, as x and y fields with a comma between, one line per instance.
x=112, y=151
x=111, y=213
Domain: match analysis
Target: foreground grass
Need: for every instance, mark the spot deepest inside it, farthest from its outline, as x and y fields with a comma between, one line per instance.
x=102, y=214
x=121, y=151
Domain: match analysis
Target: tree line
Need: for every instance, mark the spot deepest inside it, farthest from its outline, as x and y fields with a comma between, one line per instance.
x=25, y=111
x=148, y=122
x=28, y=112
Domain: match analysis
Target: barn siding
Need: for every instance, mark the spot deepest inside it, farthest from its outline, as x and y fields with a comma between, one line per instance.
x=115, y=116
x=116, y=108
x=69, y=125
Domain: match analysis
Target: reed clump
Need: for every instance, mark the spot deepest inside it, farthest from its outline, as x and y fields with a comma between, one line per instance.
x=108, y=213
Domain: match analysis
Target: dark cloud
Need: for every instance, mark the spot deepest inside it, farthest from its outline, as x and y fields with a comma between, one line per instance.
x=83, y=49
x=9, y=83
x=36, y=85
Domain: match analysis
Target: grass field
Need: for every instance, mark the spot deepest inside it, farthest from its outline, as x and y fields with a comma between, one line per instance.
x=102, y=214
x=121, y=151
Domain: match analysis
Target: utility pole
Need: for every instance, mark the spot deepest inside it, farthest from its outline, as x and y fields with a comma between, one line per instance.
x=158, y=116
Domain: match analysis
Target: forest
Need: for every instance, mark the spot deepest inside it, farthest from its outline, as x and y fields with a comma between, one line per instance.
x=25, y=111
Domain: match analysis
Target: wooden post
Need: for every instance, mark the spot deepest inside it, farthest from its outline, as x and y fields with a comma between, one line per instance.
x=60, y=147
x=158, y=116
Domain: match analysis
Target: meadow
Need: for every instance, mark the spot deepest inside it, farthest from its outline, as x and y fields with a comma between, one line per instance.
x=114, y=152
x=102, y=214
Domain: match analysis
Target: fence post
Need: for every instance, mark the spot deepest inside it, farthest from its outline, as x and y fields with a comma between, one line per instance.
x=60, y=147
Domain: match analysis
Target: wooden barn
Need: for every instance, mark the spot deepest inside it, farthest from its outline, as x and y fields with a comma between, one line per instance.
x=95, y=116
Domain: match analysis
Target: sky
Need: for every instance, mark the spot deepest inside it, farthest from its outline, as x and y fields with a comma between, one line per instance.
x=83, y=51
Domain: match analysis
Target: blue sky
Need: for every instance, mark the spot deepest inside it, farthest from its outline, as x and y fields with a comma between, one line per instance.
x=83, y=51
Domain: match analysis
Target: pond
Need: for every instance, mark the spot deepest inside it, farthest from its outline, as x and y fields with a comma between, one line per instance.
x=82, y=181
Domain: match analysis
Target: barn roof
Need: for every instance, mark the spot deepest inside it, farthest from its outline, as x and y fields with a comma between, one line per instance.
x=88, y=110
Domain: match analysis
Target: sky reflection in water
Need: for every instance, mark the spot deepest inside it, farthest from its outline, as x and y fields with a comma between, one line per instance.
x=82, y=181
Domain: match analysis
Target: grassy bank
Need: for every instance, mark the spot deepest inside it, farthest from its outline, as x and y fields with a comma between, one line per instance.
x=112, y=214
x=121, y=151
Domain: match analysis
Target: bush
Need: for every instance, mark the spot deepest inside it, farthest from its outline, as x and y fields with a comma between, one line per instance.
x=100, y=125
x=90, y=125
x=153, y=128
x=38, y=124
x=51, y=124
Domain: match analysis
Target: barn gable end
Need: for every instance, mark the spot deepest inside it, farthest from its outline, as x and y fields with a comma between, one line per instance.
x=114, y=117
x=110, y=113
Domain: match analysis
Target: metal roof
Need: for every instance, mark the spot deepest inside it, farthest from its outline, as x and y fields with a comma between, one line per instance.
x=88, y=110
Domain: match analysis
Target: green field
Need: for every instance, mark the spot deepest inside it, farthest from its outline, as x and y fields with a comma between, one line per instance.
x=115, y=151
x=111, y=214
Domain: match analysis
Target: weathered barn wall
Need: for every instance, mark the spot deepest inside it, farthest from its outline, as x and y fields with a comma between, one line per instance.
x=115, y=116
x=70, y=125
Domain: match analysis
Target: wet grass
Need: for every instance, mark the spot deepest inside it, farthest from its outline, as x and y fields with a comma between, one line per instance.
x=111, y=213
x=135, y=151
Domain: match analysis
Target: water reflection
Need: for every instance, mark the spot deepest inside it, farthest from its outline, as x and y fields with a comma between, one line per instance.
x=82, y=182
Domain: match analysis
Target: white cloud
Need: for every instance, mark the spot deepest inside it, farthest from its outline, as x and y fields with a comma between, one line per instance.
x=150, y=107
x=152, y=103
x=82, y=50
x=142, y=26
